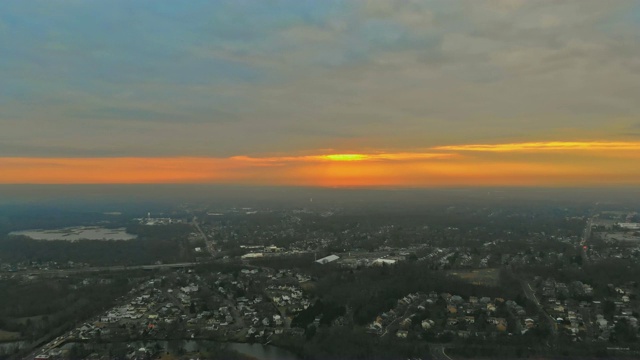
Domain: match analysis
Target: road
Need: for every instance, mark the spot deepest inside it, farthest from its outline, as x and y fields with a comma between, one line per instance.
x=531, y=295
x=64, y=272
x=586, y=317
x=44, y=345
x=174, y=299
x=438, y=352
x=210, y=243
x=585, y=238
x=404, y=316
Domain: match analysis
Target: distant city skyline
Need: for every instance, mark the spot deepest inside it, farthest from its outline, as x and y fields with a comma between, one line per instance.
x=321, y=93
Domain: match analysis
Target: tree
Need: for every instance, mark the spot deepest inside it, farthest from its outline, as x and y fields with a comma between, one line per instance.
x=310, y=331
x=608, y=308
x=624, y=331
x=77, y=351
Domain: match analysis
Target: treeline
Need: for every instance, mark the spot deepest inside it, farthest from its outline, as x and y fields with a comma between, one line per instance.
x=530, y=346
x=345, y=343
x=226, y=267
x=172, y=231
x=96, y=253
x=400, y=227
x=599, y=275
x=35, y=308
x=370, y=291
x=299, y=261
x=328, y=312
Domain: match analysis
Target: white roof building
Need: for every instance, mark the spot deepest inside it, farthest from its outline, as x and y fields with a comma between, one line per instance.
x=327, y=259
x=380, y=262
x=630, y=226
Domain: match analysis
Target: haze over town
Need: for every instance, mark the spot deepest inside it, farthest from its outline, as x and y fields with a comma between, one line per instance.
x=300, y=179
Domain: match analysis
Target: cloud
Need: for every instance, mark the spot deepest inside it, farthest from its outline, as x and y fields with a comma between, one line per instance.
x=220, y=78
x=348, y=157
x=545, y=146
x=567, y=164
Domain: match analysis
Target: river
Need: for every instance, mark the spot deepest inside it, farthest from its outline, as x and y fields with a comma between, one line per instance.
x=256, y=351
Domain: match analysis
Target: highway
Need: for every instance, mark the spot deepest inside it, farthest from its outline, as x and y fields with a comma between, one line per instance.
x=65, y=272
x=585, y=238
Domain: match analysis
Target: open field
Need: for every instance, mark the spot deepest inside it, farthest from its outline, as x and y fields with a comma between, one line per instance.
x=76, y=233
x=8, y=335
x=622, y=236
x=488, y=277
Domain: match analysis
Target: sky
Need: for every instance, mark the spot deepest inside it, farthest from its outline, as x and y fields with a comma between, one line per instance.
x=321, y=93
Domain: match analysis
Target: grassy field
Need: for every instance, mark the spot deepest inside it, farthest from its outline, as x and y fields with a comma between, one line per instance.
x=8, y=335
x=487, y=277
x=308, y=286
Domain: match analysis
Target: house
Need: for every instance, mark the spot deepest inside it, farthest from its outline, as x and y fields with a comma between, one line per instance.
x=382, y=262
x=427, y=324
x=406, y=323
x=375, y=328
x=376, y=325
x=529, y=323
x=502, y=325
x=602, y=323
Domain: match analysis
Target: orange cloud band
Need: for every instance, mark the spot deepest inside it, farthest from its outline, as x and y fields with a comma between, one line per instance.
x=524, y=164
x=540, y=146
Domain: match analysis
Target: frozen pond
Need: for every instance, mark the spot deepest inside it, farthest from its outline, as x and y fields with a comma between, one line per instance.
x=77, y=233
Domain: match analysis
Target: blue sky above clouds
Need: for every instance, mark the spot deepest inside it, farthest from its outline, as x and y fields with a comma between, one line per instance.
x=220, y=78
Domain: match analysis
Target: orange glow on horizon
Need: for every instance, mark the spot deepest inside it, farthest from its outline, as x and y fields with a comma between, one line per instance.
x=345, y=157
x=521, y=164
